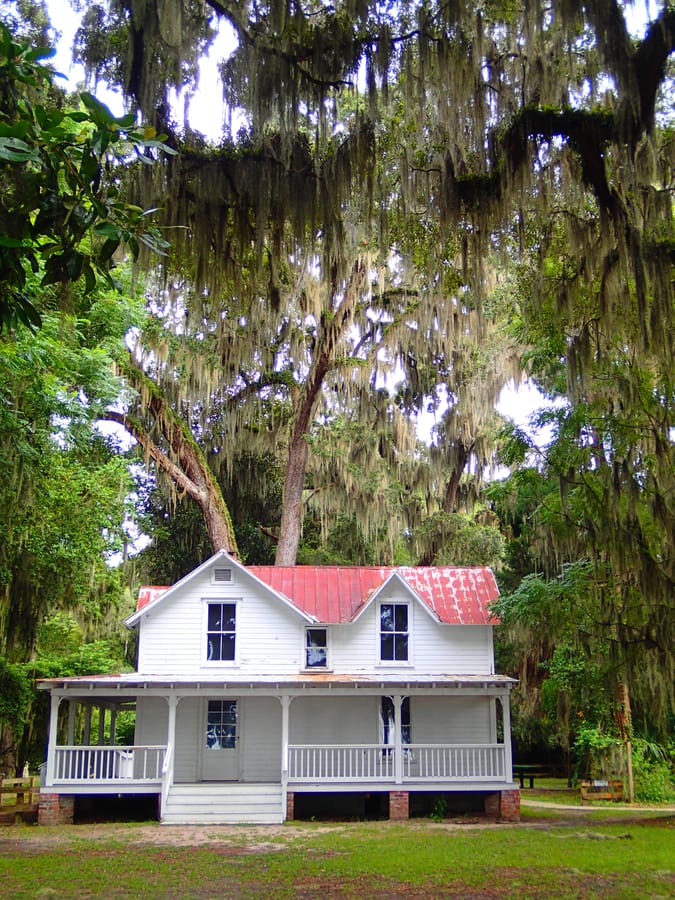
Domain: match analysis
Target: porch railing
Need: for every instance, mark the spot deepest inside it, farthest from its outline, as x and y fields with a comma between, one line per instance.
x=167, y=777
x=375, y=762
x=108, y=764
x=454, y=762
x=331, y=762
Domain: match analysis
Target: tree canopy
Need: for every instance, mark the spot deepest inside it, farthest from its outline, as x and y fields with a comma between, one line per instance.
x=419, y=202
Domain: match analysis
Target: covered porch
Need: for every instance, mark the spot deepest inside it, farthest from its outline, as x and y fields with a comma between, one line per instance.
x=264, y=742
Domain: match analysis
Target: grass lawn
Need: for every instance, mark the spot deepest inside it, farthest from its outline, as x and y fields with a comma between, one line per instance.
x=583, y=858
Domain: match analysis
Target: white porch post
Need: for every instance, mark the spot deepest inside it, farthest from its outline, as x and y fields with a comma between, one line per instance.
x=72, y=708
x=398, y=742
x=53, y=732
x=171, y=736
x=113, y=724
x=86, y=738
x=101, y=723
x=171, y=731
x=505, y=700
x=285, y=732
x=285, y=740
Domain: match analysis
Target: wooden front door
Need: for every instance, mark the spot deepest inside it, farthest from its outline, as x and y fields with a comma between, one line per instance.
x=220, y=741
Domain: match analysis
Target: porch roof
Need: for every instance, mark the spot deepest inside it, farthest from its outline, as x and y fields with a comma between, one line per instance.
x=132, y=681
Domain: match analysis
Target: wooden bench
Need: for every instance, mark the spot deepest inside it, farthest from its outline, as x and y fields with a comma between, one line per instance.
x=601, y=790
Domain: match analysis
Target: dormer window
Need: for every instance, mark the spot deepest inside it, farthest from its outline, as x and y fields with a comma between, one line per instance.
x=221, y=632
x=394, y=632
x=316, y=648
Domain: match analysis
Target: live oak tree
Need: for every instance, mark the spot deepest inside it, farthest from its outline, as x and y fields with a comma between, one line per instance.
x=543, y=131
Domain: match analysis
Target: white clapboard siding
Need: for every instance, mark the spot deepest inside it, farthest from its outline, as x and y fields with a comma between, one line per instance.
x=152, y=721
x=268, y=638
x=435, y=649
x=336, y=720
x=189, y=737
x=230, y=804
x=260, y=742
x=451, y=720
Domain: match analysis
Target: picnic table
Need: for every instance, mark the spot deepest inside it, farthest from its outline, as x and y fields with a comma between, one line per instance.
x=530, y=772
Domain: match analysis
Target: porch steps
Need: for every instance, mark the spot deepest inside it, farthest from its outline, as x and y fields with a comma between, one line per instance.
x=212, y=803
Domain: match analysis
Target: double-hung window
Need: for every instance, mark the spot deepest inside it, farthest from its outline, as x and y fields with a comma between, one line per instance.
x=394, y=632
x=221, y=632
x=316, y=648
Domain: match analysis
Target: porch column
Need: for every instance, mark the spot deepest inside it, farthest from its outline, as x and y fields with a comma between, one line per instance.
x=506, y=725
x=86, y=738
x=172, y=700
x=53, y=732
x=72, y=709
x=287, y=800
x=398, y=742
x=285, y=732
x=101, y=723
x=113, y=724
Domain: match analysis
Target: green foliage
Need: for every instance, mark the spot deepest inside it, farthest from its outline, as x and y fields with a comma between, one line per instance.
x=62, y=213
x=598, y=752
x=439, y=811
x=125, y=726
x=460, y=540
x=15, y=695
x=653, y=771
x=59, y=635
x=63, y=498
x=93, y=658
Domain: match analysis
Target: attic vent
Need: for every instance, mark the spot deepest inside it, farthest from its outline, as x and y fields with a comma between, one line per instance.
x=222, y=576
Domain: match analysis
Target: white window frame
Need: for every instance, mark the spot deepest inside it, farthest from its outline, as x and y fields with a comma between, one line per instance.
x=325, y=668
x=395, y=663
x=220, y=663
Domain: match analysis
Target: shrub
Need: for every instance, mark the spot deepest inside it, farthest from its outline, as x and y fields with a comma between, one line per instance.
x=653, y=772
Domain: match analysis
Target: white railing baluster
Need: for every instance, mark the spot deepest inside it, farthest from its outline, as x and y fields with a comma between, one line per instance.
x=345, y=763
x=108, y=764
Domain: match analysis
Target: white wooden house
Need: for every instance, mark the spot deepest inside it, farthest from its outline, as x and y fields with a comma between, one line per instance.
x=259, y=686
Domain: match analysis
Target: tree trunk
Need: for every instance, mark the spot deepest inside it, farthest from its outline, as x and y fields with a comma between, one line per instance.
x=291, y=508
x=331, y=331
x=190, y=472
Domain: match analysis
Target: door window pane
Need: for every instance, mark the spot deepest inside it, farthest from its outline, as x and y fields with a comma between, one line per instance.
x=221, y=725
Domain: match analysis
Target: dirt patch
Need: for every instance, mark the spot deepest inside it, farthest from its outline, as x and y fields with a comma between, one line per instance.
x=250, y=839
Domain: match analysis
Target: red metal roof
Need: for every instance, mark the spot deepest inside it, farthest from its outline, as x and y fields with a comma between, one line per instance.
x=336, y=594
x=147, y=594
